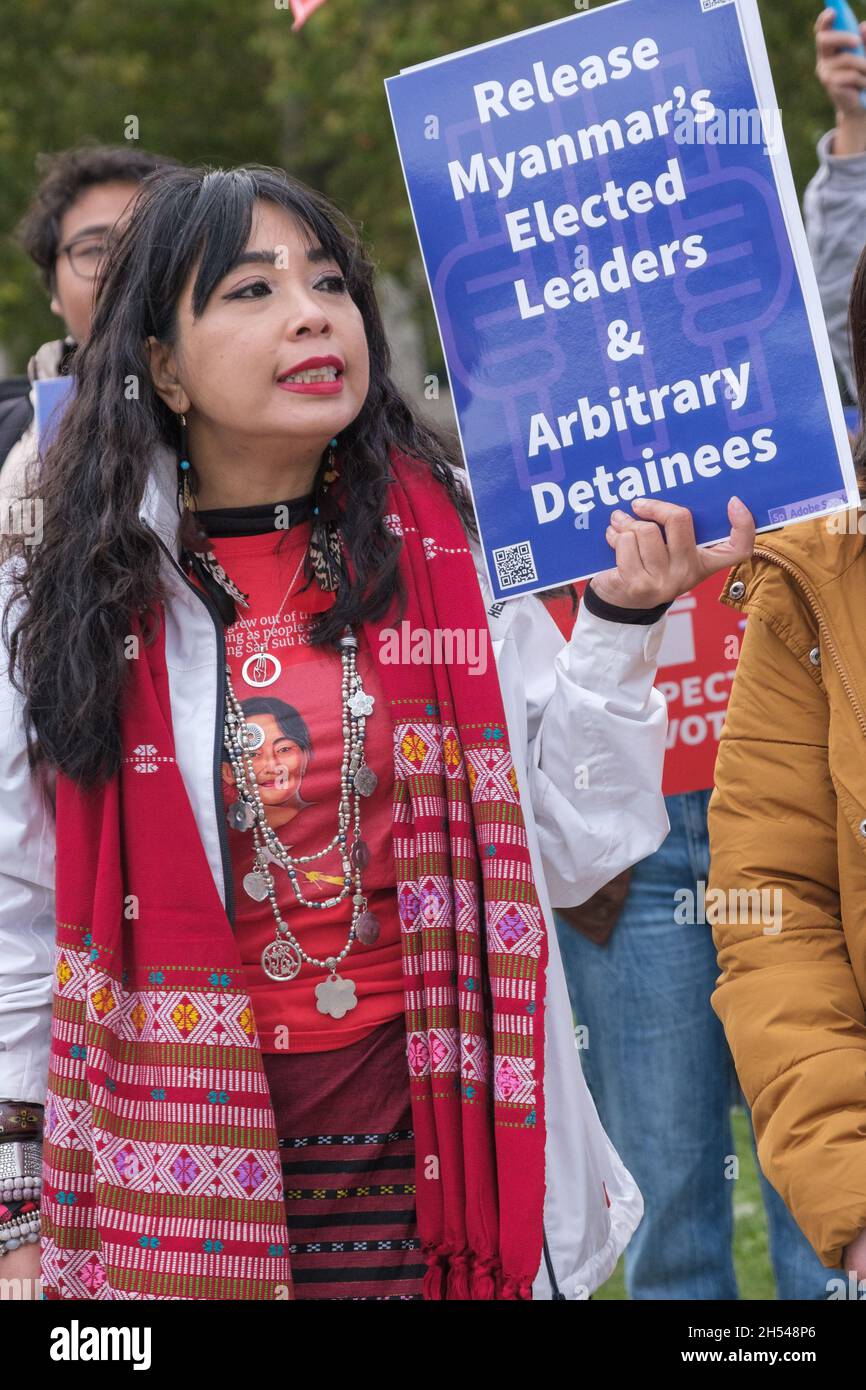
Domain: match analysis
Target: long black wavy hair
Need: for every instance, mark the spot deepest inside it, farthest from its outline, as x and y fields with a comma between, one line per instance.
x=97, y=564
x=857, y=341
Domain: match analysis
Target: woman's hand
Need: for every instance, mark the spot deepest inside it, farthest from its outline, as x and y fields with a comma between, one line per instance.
x=655, y=565
x=23, y=1265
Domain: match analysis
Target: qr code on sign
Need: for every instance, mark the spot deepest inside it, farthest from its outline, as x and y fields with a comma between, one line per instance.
x=515, y=565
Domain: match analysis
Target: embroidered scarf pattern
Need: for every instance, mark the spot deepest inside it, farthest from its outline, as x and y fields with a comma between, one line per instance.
x=161, y=1168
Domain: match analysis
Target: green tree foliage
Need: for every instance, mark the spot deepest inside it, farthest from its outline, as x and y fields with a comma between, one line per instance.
x=228, y=83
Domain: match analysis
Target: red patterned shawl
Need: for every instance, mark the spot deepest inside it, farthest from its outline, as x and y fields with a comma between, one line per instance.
x=161, y=1167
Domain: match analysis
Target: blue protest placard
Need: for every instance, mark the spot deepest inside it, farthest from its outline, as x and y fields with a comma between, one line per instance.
x=621, y=280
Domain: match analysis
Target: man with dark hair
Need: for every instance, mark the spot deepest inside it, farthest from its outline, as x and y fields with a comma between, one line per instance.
x=85, y=195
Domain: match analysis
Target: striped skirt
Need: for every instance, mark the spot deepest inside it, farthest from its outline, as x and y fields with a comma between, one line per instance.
x=344, y=1124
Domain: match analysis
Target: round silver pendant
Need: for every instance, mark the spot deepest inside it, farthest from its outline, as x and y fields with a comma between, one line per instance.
x=280, y=961
x=366, y=780
x=252, y=736
x=255, y=667
x=256, y=886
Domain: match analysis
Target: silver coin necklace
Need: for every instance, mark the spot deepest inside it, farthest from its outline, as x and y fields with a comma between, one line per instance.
x=282, y=958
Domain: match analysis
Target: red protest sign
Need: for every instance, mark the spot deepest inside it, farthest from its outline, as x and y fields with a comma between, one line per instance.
x=697, y=661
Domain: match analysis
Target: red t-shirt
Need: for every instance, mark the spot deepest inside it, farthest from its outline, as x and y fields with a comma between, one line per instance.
x=301, y=759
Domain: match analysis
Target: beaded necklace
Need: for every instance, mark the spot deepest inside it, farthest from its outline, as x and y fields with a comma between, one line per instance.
x=282, y=957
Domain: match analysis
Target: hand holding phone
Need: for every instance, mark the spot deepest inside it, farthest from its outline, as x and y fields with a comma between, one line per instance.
x=841, y=66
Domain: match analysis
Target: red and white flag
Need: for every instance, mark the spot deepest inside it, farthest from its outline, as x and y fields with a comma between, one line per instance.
x=302, y=9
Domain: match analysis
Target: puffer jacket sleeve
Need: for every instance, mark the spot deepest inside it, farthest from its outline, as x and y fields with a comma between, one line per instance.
x=786, y=995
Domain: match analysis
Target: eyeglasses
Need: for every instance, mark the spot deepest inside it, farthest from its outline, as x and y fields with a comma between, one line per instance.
x=87, y=254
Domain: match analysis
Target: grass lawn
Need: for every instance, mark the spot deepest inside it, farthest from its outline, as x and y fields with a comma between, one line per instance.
x=751, y=1255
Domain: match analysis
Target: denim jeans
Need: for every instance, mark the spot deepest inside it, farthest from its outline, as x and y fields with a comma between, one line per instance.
x=660, y=1072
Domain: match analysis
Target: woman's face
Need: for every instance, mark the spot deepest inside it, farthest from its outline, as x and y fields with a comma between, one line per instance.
x=285, y=302
x=279, y=765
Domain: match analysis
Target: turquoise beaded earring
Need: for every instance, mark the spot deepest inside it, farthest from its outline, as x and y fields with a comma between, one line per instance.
x=193, y=538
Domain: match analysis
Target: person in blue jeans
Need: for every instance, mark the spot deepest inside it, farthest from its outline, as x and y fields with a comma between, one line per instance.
x=662, y=1078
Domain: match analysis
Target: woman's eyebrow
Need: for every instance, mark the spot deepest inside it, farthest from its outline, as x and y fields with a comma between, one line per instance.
x=314, y=255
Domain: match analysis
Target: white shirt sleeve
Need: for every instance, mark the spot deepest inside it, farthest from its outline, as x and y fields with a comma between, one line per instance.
x=596, y=730
x=27, y=921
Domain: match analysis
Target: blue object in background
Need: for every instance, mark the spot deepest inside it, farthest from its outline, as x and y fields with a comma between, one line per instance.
x=846, y=19
x=52, y=396
x=744, y=309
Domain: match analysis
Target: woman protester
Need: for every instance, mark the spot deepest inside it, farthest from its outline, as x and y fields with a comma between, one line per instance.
x=788, y=843
x=344, y=1029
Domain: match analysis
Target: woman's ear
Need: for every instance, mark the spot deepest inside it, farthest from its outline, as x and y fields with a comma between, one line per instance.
x=163, y=373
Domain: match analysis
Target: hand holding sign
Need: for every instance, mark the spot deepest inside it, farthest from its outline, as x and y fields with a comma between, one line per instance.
x=655, y=565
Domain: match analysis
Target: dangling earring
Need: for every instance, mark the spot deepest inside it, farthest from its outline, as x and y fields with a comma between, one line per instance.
x=193, y=538
x=192, y=535
x=326, y=555
x=331, y=474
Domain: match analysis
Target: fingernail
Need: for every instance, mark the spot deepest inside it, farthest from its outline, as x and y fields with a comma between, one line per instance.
x=640, y=501
x=618, y=516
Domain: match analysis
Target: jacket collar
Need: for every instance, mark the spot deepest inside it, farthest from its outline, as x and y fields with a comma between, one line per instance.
x=822, y=550
x=48, y=360
x=158, y=508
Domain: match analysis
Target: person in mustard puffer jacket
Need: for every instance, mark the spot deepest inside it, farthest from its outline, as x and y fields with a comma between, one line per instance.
x=787, y=884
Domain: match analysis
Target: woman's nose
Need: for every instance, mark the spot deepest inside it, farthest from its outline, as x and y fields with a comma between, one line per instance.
x=309, y=320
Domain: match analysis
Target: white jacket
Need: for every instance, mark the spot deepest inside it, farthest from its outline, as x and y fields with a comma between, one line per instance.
x=587, y=732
